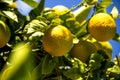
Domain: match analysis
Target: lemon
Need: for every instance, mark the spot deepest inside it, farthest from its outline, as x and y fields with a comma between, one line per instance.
x=102, y=27
x=60, y=9
x=57, y=40
x=82, y=50
x=105, y=46
x=4, y=34
x=63, y=12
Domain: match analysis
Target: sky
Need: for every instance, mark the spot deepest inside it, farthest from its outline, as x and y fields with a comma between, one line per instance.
x=25, y=9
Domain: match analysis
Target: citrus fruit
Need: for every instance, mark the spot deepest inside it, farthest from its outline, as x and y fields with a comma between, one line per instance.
x=91, y=2
x=102, y=27
x=62, y=11
x=4, y=34
x=57, y=40
x=82, y=50
x=105, y=46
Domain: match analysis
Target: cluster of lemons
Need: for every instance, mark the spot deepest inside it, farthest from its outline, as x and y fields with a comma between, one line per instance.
x=58, y=39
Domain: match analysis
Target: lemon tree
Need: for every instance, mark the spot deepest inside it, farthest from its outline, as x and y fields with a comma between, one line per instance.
x=58, y=43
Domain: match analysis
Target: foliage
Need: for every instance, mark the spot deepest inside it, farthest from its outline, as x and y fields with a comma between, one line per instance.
x=24, y=58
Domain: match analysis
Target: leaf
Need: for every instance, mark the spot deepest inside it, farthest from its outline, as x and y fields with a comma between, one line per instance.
x=20, y=63
x=31, y=3
x=37, y=11
x=73, y=74
x=7, y=1
x=20, y=54
x=116, y=37
x=48, y=64
x=114, y=12
x=36, y=73
x=115, y=69
x=35, y=25
x=82, y=31
x=105, y=3
x=80, y=65
x=101, y=7
x=11, y=15
x=82, y=13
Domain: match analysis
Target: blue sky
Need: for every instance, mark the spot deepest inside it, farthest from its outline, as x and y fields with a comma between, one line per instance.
x=25, y=9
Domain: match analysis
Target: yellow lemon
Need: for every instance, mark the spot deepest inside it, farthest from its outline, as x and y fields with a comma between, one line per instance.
x=57, y=40
x=102, y=27
x=63, y=12
x=105, y=46
x=60, y=9
x=82, y=50
x=4, y=34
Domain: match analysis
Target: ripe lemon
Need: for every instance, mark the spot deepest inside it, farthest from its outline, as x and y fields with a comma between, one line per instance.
x=57, y=40
x=102, y=27
x=105, y=46
x=82, y=50
x=60, y=9
x=63, y=12
x=4, y=34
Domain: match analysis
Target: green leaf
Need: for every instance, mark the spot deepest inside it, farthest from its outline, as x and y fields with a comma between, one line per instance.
x=82, y=13
x=19, y=60
x=11, y=15
x=31, y=3
x=48, y=64
x=37, y=73
x=114, y=12
x=20, y=54
x=7, y=1
x=102, y=6
x=79, y=64
x=34, y=26
x=116, y=37
x=114, y=69
x=73, y=74
x=37, y=11
x=82, y=31
x=105, y=3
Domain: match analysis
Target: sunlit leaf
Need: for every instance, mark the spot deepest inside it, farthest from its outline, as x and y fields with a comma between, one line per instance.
x=105, y=3
x=19, y=63
x=82, y=31
x=116, y=37
x=31, y=3
x=11, y=15
x=102, y=6
x=84, y=10
x=37, y=11
x=115, y=12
